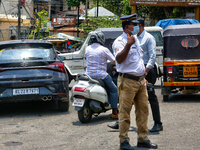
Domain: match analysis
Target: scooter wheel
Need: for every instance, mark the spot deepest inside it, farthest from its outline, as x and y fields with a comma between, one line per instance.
x=85, y=114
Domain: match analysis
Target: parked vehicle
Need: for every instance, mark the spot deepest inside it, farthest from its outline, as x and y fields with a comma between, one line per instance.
x=181, y=60
x=75, y=62
x=60, y=44
x=30, y=70
x=89, y=97
x=64, y=43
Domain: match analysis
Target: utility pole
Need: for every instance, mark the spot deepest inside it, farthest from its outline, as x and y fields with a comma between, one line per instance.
x=86, y=6
x=118, y=8
x=97, y=8
x=19, y=19
x=78, y=21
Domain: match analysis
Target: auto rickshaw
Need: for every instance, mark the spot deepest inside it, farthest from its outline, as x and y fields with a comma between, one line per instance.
x=181, y=60
x=60, y=44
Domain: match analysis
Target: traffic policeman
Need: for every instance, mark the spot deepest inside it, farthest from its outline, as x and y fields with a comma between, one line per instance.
x=131, y=84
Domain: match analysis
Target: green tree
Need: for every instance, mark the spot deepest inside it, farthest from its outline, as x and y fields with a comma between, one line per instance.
x=163, y=12
x=41, y=21
x=74, y=3
x=153, y=12
x=126, y=8
x=115, y=5
x=92, y=23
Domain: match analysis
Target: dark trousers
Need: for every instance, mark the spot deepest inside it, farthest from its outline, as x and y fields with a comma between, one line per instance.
x=153, y=100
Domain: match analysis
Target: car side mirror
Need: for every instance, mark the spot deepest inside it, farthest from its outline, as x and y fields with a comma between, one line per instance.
x=61, y=58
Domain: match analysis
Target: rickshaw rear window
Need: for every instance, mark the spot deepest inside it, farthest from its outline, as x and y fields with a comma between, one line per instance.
x=189, y=42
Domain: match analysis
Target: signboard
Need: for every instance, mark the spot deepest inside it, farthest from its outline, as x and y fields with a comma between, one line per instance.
x=11, y=16
x=185, y=3
x=63, y=21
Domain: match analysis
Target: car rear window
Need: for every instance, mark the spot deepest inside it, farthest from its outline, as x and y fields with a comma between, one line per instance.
x=26, y=52
x=158, y=37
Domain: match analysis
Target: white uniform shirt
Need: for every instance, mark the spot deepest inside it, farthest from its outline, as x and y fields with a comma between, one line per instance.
x=133, y=64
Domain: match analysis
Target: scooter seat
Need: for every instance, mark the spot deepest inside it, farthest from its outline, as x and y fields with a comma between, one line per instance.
x=85, y=78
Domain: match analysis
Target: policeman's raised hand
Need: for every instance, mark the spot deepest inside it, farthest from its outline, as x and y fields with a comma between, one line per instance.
x=130, y=39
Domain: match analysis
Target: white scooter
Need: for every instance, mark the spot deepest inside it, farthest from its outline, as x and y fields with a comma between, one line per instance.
x=89, y=97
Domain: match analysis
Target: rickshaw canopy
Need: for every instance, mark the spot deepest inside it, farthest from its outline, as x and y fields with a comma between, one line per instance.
x=182, y=42
x=180, y=30
x=168, y=22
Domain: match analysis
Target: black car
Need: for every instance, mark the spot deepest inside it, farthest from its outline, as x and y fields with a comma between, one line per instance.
x=30, y=70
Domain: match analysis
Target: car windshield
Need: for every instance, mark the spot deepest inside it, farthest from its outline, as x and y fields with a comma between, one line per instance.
x=157, y=35
x=27, y=52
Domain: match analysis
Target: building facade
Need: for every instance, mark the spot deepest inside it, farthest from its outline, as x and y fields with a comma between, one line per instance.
x=28, y=9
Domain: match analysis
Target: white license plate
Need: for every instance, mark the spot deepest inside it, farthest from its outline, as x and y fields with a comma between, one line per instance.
x=26, y=91
x=78, y=102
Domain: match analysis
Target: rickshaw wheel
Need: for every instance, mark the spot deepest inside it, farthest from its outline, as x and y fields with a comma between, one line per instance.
x=165, y=98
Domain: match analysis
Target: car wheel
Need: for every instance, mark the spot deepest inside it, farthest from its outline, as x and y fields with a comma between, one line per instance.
x=165, y=98
x=63, y=106
x=85, y=114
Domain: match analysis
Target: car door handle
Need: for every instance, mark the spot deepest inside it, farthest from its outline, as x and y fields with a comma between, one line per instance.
x=76, y=60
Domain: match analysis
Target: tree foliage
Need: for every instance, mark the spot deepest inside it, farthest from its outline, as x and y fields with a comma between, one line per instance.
x=163, y=12
x=41, y=21
x=121, y=7
x=74, y=3
x=92, y=23
x=126, y=8
x=153, y=12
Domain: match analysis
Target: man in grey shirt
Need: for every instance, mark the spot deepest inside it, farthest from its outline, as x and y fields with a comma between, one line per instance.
x=148, y=44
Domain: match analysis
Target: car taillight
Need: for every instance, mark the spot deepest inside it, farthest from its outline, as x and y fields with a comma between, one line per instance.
x=57, y=66
x=61, y=95
x=79, y=89
x=170, y=71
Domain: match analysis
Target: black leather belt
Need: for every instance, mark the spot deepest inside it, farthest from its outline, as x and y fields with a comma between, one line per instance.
x=137, y=78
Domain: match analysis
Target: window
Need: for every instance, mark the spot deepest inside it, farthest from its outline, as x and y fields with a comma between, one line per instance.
x=189, y=42
x=27, y=51
x=158, y=37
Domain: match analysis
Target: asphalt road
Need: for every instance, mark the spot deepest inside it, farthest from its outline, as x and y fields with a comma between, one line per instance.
x=39, y=126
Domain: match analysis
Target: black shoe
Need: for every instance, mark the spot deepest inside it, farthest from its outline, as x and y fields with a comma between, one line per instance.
x=147, y=144
x=115, y=126
x=126, y=146
x=156, y=128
